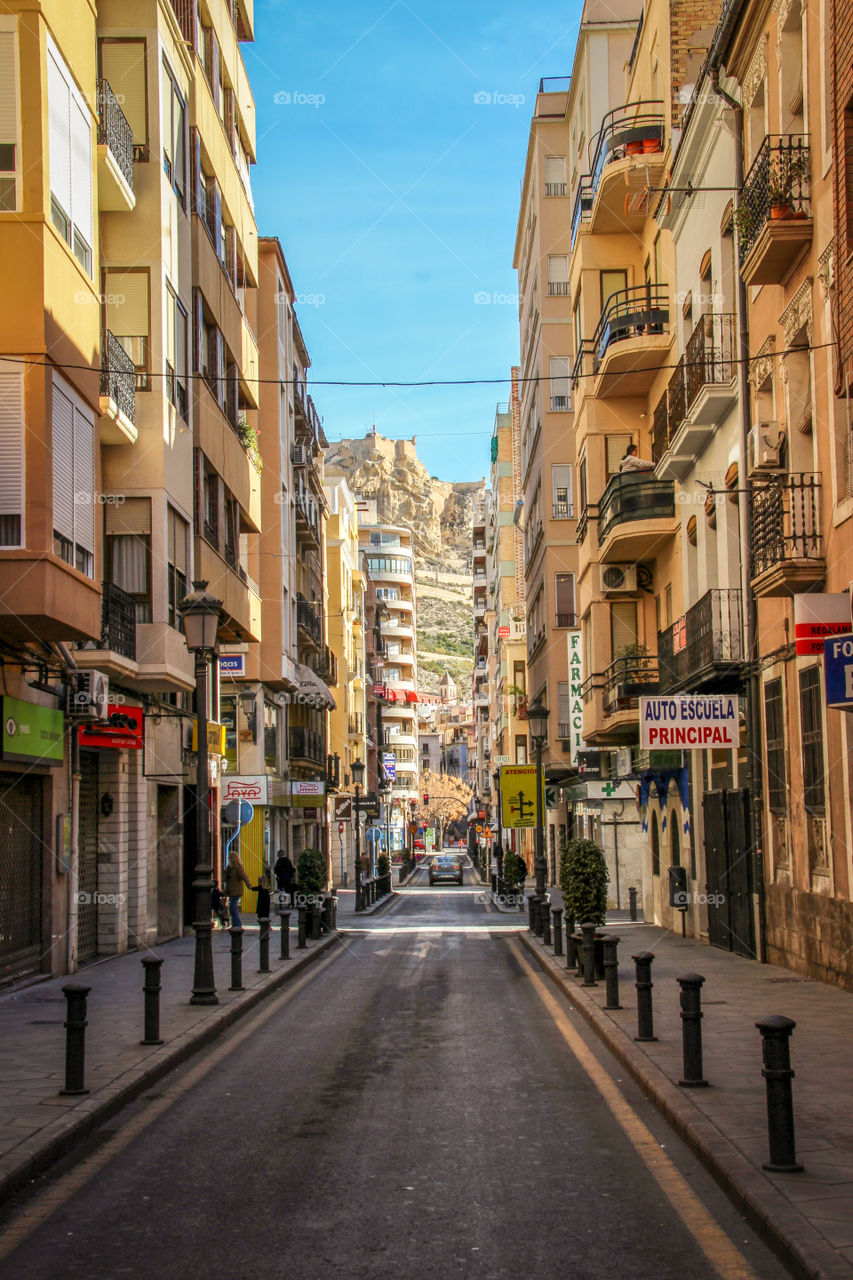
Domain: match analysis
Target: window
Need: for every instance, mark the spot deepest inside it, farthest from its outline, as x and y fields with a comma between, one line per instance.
x=176, y=354
x=582, y=483
x=8, y=122
x=561, y=491
x=231, y=540
x=127, y=550
x=12, y=456
x=558, y=275
x=615, y=447
x=655, y=844
x=555, y=175
x=564, y=709
x=270, y=737
x=210, y=506
x=174, y=139
x=127, y=316
x=70, y=157
x=559, y=369
x=811, y=728
x=74, y=497
x=564, y=599
x=176, y=552
x=612, y=282
x=774, y=726
x=623, y=627
x=520, y=749
x=123, y=67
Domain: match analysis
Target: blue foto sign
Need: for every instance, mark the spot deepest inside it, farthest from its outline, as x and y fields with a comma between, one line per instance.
x=838, y=670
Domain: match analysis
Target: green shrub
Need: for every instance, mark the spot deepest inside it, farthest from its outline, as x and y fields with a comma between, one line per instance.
x=311, y=871
x=514, y=871
x=383, y=864
x=583, y=880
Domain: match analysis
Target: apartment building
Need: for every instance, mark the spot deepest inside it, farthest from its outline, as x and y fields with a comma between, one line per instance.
x=481, y=745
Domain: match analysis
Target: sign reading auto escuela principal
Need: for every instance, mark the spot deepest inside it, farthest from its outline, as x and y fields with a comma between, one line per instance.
x=691, y=723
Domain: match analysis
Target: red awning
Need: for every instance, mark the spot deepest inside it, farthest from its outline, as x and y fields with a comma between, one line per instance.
x=411, y=696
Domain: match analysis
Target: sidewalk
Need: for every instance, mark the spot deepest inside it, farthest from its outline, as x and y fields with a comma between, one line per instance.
x=36, y=1124
x=807, y=1218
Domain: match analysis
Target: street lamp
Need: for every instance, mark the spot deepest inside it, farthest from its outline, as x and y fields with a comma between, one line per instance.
x=537, y=720
x=201, y=613
x=357, y=771
x=385, y=793
x=499, y=854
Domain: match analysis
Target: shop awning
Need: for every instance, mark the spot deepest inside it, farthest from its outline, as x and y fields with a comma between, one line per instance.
x=312, y=687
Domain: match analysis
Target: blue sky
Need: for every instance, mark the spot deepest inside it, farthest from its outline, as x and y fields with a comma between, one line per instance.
x=395, y=194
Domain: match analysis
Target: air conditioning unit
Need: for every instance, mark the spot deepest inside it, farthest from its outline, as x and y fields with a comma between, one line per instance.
x=764, y=447
x=299, y=455
x=617, y=579
x=90, y=697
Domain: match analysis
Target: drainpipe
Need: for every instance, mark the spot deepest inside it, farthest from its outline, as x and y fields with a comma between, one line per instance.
x=73, y=880
x=749, y=606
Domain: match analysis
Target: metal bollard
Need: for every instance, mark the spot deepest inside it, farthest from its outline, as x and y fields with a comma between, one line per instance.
x=645, y=1014
x=611, y=971
x=588, y=952
x=545, y=917
x=334, y=913
x=530, y=910
x=776, y=1053
x=691, y=1030
x=327, y=913
x=571, y=949
x=264, y=945
x=285, y=935
x=632, y=904
x=301, y=927
x=557, y=913
x=236, y=960
x=75, y=1038
x=151, y=989
x=315, y=923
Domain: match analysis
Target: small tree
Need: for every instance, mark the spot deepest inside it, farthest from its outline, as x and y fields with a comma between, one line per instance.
x=514, y=871
x=383, y=864
x=310, y=872
x=584, y=879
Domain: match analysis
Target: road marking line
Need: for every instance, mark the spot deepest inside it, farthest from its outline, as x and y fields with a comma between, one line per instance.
x=34, y=1213
x=721, y=1252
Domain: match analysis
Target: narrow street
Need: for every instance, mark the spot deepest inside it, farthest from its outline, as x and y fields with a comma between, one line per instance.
x=410, y=1108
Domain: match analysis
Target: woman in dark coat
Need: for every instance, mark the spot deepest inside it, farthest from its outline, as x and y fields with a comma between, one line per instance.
x=285, y=874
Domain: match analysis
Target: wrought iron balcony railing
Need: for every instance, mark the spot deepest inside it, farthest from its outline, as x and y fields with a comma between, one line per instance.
x=776, y=187
x=786, y=521
x=634, y=128
x=326, y=665
x=114, y=130
x=630, y=313
x=628, y=678
x=582, y=206
x=309, y=617
x=118, y=621
x=706, y=645
x=118, y=375
x=634, y=495
x=710, y=355
x=306, y=745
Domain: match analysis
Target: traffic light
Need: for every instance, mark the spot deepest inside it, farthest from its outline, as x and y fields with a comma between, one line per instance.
x=426, y=799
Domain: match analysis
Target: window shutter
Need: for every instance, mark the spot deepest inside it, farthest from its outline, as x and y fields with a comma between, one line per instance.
x=63, y=464
x=59, y=132
x=81, y=172
x=561, y=481
x=177, y=541
x=84, y=478
x=123, y=66
x=555, y=169
x=166, y=114
x=127, y=303
x=214, y=69
x=170, y=344
x=12, y=457
x=197, y=180
x=131, y=516
x=558, y=269
x=198, y=333
x=8, y=89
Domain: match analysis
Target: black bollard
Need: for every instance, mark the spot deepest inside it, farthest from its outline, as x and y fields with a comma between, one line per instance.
x=327, y=913
x=530, y=911
x=776, y=1054
x=264, y=945
x=691, y=1030
x=571, y=949
x=611, y=971
x=557, y=913
x=632, y=904
x=301, y=926
x=545, y=916
x=285, y=935
x=645, y=1014
x=75, y=1038
x=588, y=953
x=315, y=922
x=151, y=988
x=236, y=960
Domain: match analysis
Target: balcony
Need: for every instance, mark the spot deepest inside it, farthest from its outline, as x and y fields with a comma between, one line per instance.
x=627, y=163
x=704, y=651
x=787, y=545
x=305, y=745
x=700, y=394
x=774, y=213
x=635, y=516
x=309, y=621
x=582, y=206
x=117, y=393
x=326, y=665
x=632, y=337
x=114, y=652
x=307, y=517
x=333, y=772
x=565, y=621
x=632, y=676
x=355, y=725
x=115, y=154
x=562, y=511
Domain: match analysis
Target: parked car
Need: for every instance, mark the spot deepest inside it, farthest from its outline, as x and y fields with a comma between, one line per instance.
x=446, y=867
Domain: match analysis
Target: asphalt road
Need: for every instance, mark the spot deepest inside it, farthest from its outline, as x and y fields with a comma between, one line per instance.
x=411, y=1110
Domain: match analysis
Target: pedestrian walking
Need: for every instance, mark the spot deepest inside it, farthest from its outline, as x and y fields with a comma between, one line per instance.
x=262, y=889
x=235, y=879
x=219, y=906
x=285, y=874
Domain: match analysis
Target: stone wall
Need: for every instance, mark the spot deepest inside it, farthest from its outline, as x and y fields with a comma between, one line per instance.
x=810, y=933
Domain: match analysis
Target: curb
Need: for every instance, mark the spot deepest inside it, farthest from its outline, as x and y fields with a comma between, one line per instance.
x=373, y=909
x=775, y=1219
x=75, y=1125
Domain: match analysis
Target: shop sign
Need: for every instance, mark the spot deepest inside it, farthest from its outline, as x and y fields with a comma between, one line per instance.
x=817, y=616
x=342, y=807
x=232, y=664
x=838, y=669
x=518, y=795
x=692, y=724
x=215, y=738
x=575, y=695
x=32, y=734
x=305, y=793
x=123, y=730
x=252, y=788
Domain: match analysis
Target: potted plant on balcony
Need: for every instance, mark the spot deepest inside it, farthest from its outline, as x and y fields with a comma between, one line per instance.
x=634, y=674
x=584, y=879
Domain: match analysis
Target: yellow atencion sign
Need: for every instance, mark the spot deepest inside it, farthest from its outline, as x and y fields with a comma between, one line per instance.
x=518, y=795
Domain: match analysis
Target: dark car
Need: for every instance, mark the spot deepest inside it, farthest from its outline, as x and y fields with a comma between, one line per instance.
x=446, y=867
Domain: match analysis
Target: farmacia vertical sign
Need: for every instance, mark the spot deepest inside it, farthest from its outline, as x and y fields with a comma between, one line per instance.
x=576, y=742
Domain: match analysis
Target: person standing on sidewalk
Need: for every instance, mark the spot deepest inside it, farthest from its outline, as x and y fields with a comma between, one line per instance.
x=285, y=873
x=235, y=879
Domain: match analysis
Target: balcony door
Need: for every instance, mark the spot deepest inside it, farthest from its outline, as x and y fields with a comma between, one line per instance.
x=623, y=628
x=612, y=282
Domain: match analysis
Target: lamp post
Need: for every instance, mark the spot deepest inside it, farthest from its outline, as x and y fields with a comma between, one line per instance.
x=357, y=771
x=201, y=613
x=385, y=793
x=499, y=856
x=410, y=860
x=537, y=719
